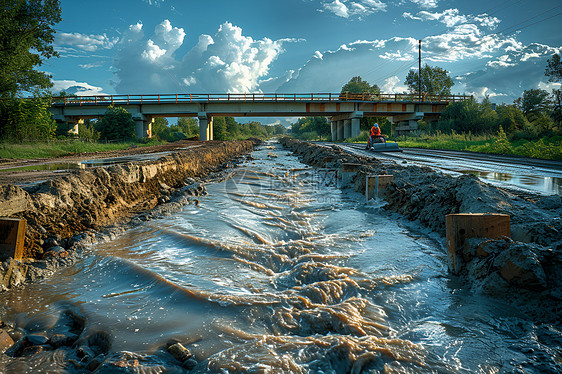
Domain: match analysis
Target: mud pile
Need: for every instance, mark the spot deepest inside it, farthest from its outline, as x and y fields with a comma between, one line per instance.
x=64, y=211
x=529, y=266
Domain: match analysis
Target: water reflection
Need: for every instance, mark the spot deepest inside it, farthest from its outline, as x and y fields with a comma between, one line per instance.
x=545, y=184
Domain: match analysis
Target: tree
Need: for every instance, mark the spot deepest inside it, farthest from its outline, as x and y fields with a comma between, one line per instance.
x=26, y=119
x=219, y=128
x=116, y=124
x=511, y=118
x=188, y=126
x=469, y=116
x=358, y=85
x=26, y=37
x=533, y=101
x=554, y=69
x=434, y=81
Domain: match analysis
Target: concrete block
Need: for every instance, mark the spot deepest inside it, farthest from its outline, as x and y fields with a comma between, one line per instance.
x=348, y=170
x=5, y=341
x=12, y=238
x=374, y=184
x=472, y=225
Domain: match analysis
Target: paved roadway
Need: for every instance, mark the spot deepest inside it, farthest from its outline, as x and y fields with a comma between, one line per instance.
x=524, y=175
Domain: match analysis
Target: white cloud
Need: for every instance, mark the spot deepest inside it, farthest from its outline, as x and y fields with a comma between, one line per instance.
x=393, y=85
x=426, y=4
x=76, y=88
x=453, y=17
x=91, y=65
x=348, y=8
x=225, y=62
x=89, y=43
x=507, y=76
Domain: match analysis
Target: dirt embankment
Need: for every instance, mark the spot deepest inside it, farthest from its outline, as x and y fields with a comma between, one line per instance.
x=527, y=267
x=62, y=211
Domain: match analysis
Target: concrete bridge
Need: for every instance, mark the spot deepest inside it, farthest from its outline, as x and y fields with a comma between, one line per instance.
x=345, y=110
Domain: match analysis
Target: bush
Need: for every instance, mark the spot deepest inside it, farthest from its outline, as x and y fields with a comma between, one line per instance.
x=116, y=124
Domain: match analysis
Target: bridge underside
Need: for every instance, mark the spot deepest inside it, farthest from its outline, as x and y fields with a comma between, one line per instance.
x=344, y=115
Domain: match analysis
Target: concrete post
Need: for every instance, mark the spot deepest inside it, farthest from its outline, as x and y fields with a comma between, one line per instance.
x=139, y=127
x=375, y=184
x=143, y=128
x=340, y=130
x=347, y=129
x=334, y=129
x=205, y=126
x=211, y=129
x=472, y=225
x=355, y=127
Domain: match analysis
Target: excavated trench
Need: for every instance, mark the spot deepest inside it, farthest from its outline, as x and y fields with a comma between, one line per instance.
x=278, y=269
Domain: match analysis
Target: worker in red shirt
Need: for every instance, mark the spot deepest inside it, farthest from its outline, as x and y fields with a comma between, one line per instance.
x=375, y=133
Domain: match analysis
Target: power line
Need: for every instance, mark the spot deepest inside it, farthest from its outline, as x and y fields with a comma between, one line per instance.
x=528, y=19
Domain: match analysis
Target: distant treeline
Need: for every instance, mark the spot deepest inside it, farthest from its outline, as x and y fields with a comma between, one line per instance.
x=224, y=128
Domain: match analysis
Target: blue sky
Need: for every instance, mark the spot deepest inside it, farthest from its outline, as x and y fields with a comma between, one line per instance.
x=217, y=46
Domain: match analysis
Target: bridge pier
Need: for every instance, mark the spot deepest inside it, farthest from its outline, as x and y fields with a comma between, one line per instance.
x=143, y=126
x=340, y=130
x=355, y=127
x=347, y=129
x=205, y=126
x=334, y=130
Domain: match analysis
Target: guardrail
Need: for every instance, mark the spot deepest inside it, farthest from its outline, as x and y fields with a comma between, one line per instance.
x=253, y=98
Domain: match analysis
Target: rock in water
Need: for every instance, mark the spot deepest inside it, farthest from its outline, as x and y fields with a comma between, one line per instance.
x=179, y=352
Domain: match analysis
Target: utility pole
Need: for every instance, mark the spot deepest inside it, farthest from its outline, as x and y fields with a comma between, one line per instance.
x=419, y=72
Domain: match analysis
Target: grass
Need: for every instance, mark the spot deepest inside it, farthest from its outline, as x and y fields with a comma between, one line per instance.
x=549, y=148
x=62, y=148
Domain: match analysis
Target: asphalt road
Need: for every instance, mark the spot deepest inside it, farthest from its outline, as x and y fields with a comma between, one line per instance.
x=519, y=173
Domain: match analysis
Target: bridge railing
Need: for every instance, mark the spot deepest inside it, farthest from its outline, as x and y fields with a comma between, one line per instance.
x=254, y=97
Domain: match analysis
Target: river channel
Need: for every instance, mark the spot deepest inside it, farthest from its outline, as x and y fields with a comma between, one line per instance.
x=279, y=270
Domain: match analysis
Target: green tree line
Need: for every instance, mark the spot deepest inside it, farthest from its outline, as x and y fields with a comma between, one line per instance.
x=224, y=128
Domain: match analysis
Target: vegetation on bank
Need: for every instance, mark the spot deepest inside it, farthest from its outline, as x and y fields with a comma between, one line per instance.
x=549, y=148
x=47, y=149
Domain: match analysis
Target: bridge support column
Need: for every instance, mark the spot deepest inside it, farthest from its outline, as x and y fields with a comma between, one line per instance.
x=205, y=126
x=355, y=127
x=334, y=128
x=340, y=130
x=143, y=128
x=347, y=129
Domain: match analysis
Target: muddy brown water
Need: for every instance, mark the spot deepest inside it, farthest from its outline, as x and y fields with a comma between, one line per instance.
x=278, y=270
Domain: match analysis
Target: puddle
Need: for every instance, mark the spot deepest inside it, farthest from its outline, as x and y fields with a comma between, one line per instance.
x=549, y=185
x=102, y=162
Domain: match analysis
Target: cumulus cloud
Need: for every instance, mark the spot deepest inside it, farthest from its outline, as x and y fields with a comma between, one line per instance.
x=507, y=76
x=393, y=85
x=351, y=9
x=426, y=4
x=88, y=43
x=453, y=17
x=76, y=88
x=225, y=62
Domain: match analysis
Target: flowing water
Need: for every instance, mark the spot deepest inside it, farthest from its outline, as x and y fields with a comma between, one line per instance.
x=278, y=270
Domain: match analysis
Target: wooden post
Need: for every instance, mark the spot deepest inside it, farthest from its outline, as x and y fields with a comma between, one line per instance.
x=376, y=183
x=12, y=237
x=472, y=225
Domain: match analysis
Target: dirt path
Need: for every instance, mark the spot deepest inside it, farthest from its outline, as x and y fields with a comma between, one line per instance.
x=31, y=175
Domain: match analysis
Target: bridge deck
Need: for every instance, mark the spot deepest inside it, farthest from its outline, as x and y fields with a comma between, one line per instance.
x=255, y=98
